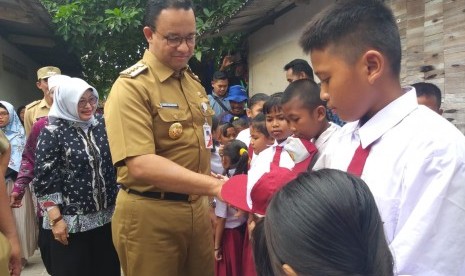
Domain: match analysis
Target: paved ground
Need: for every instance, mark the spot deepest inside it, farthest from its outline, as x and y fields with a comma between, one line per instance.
x=34, y=266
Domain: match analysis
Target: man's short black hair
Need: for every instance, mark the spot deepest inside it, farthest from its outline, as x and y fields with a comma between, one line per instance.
x=219, y=75
x=353, y=27
x=259, y=97
x=428, y=89
x=300, y=65
x=154, y=8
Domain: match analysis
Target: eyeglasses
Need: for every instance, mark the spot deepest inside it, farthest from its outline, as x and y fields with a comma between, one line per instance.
x=176, y=41
x=83, y=102
x=4, y=114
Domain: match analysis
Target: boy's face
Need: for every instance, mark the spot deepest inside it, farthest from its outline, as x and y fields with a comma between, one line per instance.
x=237, y=108
x=259, y=141
x=304, y=123
x=220, y=87
x=277, y=125
x=256, y=109
x=347, y=88
x=430, y=102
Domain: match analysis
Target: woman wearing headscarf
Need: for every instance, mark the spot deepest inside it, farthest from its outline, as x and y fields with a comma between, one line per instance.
x=75, y=182
x=25, y=217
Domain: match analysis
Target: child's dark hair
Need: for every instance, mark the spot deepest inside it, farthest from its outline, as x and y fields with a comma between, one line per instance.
x=224, y=128
x=239, y=122
x=273, y=103
x=428, y=89
x=306, y=91
x=237, y=153
x=259, y=97
x=215, y=124
x=260, y=252
x=352, y=27
x=326, y=222
x=259, y=123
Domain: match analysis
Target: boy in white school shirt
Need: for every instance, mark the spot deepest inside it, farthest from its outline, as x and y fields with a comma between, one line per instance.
x=416, y=165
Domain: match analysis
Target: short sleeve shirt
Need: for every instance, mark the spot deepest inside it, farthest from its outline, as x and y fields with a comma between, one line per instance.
x=34, y=111
x=142, y=110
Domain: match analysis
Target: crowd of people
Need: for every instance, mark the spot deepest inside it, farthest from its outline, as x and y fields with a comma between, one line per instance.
x=352, y=176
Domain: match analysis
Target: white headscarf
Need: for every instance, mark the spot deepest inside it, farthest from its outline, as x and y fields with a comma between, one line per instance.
x=66, y=99
x=56, y=80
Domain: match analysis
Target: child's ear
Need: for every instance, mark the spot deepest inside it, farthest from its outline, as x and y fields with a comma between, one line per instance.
x=320, y=112
x=374, y=62
x=248, y=112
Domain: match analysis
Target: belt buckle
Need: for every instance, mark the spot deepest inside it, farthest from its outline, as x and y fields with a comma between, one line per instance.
x=193, y=198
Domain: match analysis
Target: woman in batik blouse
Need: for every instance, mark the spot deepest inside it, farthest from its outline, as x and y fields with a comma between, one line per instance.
x=75, y=182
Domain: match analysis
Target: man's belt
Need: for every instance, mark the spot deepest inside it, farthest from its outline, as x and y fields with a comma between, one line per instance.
x=158, y=195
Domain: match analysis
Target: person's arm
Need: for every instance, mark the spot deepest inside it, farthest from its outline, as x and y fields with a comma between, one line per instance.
x=428, y=238
x=26, y=170
x=166, y=175
x=221, y=212
x=7, y=223
x=220, y=223
x=28, y=121
x=48, y=182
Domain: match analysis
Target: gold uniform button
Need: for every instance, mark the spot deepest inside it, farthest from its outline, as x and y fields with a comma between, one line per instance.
x=175, y=131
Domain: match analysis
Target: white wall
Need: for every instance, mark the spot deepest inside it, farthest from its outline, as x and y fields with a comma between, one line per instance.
x=273, y=46
x=17, y=76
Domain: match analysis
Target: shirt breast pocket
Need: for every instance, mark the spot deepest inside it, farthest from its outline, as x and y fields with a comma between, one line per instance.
x=170, y=123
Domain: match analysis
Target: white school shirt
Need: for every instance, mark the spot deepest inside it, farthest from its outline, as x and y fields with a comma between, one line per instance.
x=244, y=136
x=416, y=172
x=222, y=211
x=261, y=165
x=324, y=137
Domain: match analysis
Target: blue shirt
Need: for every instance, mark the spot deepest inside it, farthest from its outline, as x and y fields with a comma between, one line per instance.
x=216, y=106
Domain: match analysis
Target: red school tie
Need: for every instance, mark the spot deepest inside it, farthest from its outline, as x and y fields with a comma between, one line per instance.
x=277, y=155
x=358, y=160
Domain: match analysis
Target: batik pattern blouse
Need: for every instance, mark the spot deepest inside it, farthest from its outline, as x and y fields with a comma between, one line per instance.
x=73, y=170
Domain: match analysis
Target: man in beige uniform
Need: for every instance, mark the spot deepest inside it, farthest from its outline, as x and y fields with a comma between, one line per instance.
x=40, y=108
x=10, y=252
x=157, y=117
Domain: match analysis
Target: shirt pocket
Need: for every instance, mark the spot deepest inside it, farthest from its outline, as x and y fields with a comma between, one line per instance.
x=171, y=115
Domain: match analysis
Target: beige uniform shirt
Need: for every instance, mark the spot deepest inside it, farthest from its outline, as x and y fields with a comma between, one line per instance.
x=34, y=111
x=146, y=103
x=4, y=144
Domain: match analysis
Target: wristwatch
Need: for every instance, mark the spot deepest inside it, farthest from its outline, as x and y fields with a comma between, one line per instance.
x=54, y=221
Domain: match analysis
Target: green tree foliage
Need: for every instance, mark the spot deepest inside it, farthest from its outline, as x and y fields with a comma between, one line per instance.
x=107, y=35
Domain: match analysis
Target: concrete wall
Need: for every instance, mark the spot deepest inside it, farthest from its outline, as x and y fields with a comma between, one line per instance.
x=433, y=44
x=17, y=76
x=273, y=46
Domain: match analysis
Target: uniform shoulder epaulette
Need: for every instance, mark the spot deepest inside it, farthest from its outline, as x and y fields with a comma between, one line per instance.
x=194, y=76
x=133, y=71
x=34, y=103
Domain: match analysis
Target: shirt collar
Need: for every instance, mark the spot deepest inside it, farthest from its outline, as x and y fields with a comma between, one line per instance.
x=387, y=118
x=163, y=72
x=43, y=103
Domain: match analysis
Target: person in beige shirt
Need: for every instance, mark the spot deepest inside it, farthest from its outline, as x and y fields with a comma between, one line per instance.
x=10, y=252
x=158, y=121
x=40, y=108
